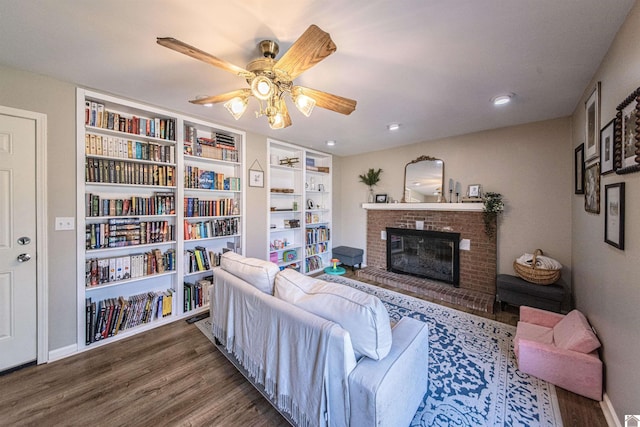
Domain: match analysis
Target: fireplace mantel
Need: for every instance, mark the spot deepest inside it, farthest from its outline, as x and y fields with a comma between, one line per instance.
x=464, y=207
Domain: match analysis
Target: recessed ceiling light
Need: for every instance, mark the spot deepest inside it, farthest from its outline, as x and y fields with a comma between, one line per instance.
x=393, y=126
x=502, y=99
x=331, y=143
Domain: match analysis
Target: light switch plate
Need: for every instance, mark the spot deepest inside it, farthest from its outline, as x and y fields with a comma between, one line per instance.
x=383, y=235
x=465, y=245
x=65, y=223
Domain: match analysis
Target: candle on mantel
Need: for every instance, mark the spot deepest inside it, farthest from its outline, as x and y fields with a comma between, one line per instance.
x=458, y=187
x=450, y=184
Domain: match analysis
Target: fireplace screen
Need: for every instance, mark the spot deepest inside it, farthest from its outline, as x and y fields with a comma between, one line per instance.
x=427, y=254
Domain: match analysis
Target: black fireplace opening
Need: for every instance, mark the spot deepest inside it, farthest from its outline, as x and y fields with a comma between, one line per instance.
x=424, y=253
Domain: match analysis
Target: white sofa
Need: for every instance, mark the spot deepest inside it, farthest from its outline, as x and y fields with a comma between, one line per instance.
x=322, y=353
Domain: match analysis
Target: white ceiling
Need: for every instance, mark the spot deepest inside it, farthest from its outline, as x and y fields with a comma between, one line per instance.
x=431, y=65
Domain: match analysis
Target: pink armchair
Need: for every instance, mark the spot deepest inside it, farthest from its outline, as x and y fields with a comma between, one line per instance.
x=560, y=349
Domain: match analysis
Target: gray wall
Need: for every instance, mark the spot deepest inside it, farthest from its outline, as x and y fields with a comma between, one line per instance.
x=57, y=100
x=605, y=278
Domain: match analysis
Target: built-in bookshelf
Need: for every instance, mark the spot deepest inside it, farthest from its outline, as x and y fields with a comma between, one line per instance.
x=212, y=205
x=154, y=189
x=299, y=182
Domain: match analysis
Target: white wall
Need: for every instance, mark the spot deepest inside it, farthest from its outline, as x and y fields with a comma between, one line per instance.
x=606, y=281
x=528, y=164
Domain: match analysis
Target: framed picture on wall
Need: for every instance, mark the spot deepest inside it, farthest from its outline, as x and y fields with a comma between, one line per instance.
x=607, y=148
x=592, y=124
x=614, y=215
x=627, y=137
x=592, y=188
x=578, y=170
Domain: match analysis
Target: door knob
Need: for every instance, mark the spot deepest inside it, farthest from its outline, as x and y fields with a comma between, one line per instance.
x=24, y=257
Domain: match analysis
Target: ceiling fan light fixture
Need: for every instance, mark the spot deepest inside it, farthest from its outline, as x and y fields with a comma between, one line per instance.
x=276, y=121
x=304, y=104
x=262, y=87
x=236, y=106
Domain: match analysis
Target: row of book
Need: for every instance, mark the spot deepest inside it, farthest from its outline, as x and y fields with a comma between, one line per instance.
x=217, y=139
x=318, y=248
x=124, y=172
x=195, y=177
x=314, y=263
x=105, y=318
x=100, y=271
x=200, y=259
x=197, y=294
x=127, y=232
x=211, y=228
x=95, y=114
x=317, y=235
x=194, y=206
x=211, y=152
x=158, y=204
x=98, y=145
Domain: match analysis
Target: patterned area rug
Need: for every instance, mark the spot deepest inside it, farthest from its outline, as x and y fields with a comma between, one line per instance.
x=473, y=379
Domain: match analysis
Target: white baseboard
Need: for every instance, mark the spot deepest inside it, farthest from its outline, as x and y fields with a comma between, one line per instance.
x=61, y=353
x=609, y=412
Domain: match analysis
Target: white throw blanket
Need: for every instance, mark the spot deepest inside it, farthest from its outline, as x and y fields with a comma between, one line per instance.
x=286, y=350
x=541, y=262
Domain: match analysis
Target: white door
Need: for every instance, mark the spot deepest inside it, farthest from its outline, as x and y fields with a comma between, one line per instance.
x=18, y=308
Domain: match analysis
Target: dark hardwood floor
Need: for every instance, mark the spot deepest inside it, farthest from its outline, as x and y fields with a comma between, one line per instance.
x=169, y=376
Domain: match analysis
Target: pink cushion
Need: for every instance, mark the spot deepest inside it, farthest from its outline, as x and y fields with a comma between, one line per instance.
x=532, y=332
x=574, y=333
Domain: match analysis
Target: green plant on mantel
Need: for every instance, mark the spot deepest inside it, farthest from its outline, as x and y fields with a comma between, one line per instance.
x=371, y=178
x=493, y=206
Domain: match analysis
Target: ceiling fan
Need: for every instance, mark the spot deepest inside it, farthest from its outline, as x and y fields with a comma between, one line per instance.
x=271, y=80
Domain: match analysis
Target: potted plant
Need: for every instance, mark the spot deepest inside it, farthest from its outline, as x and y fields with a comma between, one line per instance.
x=371, y=178
x=493, y=206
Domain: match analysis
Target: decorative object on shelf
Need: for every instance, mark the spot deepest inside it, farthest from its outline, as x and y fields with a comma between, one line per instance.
x=381, y=198
x=256, y=176
x=423, y=181
x=628, y=135
x=311, y=204
x=289, y=161
x=493, y=206
x=592, y=188
x=371, y=178
x=614, y=215
x=608, y=148
x=592, y=124
x=270, y=80
x=578, y=170
x=474, y=191
x=537, y=268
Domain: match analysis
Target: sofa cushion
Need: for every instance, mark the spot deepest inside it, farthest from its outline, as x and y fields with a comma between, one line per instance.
x=532, y=332
x=362, y=315
x=257, y=272
x=574, y=333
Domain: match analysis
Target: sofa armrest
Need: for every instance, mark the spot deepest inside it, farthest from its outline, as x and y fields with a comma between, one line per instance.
x=539, y=317
x=578, y=372
x=376, y=385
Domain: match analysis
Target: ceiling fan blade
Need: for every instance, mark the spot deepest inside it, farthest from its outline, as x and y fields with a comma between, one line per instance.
x=285, y=113
x=196, y=53
x=326, y=100
x=222, y=97
x=311, y=47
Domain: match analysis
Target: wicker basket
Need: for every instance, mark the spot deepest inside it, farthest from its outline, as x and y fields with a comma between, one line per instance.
x=539, y=276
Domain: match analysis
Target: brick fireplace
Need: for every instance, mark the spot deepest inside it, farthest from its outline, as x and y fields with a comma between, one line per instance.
x=478, y=265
